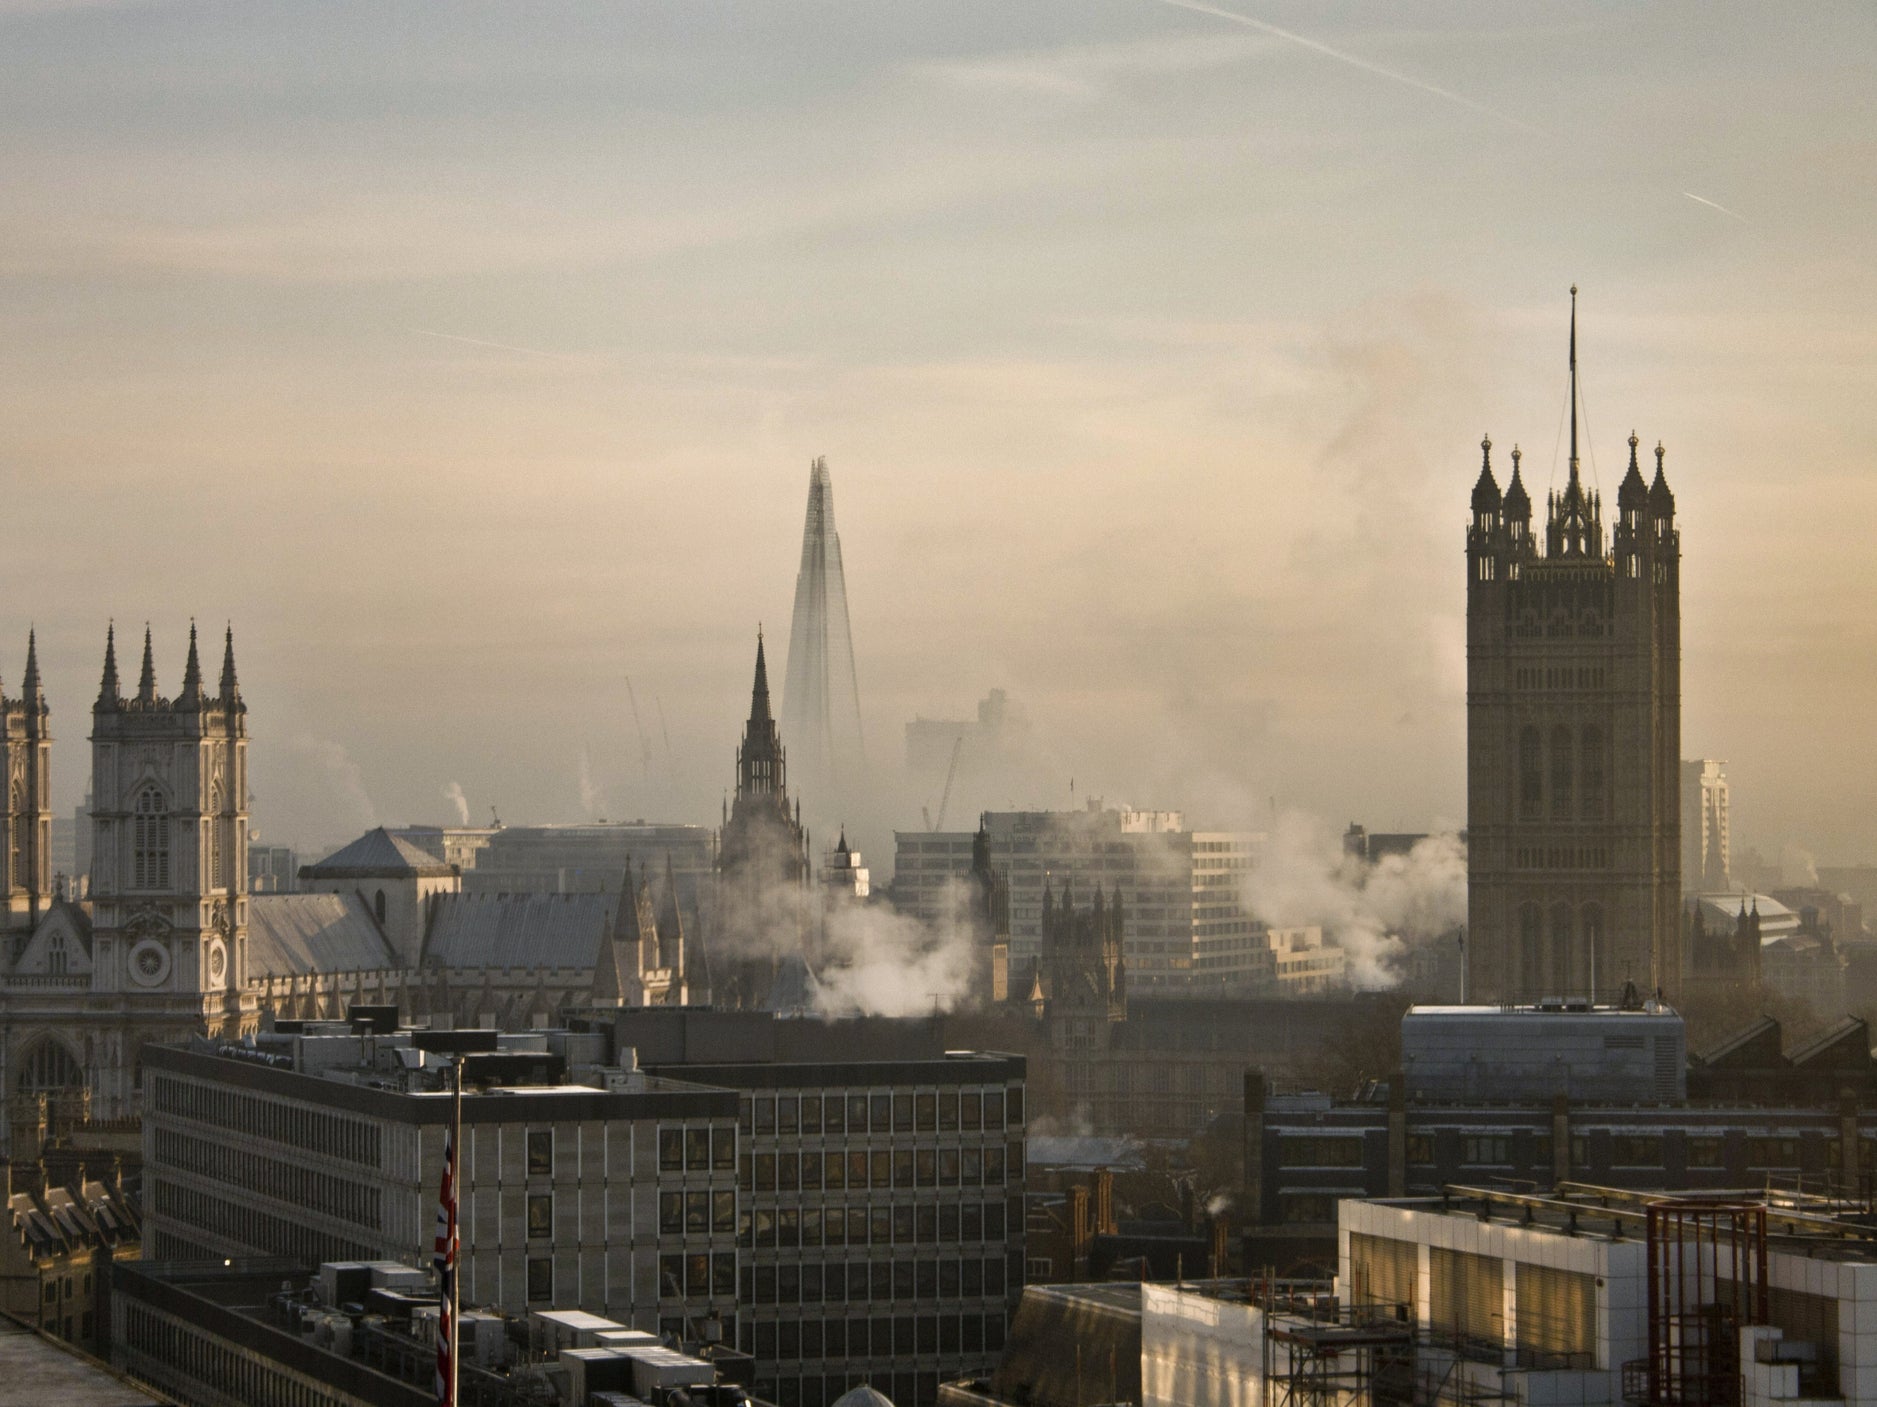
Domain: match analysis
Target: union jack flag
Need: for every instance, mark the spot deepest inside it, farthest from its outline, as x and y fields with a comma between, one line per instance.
x=444, y=1259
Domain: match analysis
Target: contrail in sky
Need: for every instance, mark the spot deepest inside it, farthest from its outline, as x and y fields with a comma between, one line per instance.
x=1317, y=46
x=1716, y=205
x=498, y=346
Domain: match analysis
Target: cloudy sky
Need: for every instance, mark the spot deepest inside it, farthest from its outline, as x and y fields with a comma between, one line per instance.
x=470, y=358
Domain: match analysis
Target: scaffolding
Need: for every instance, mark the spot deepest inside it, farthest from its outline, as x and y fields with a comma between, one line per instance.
x=1318, y=1352
x=1707, y=1279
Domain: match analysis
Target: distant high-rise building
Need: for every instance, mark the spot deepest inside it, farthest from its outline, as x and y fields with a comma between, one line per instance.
x=1573, y=737
x=1706, y=860
x=821, y=696
x=1186, y=930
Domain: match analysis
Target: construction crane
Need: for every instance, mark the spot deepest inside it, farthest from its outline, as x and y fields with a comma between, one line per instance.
x=945, y=798
x=645, y=746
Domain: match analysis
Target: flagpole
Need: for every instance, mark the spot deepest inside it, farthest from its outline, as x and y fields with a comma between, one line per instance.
x=456, y=1235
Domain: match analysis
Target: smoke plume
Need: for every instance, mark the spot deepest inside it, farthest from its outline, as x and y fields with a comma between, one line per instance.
x=453, y=794
x=1305, y=877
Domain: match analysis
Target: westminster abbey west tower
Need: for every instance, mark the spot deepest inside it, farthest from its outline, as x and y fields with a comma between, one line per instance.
x=1573, y=737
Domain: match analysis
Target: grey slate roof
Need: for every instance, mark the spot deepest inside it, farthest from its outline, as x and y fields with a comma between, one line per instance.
x=518, y=930
x=377, y=854
x=290, y=934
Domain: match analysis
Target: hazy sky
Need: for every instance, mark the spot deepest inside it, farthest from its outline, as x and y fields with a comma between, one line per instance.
x=471, y=357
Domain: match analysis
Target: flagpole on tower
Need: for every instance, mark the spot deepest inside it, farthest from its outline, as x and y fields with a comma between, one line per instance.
x=456, y=1235
x=448, y=1243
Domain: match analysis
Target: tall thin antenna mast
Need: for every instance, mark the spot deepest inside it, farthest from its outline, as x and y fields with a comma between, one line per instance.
x=1573, y=381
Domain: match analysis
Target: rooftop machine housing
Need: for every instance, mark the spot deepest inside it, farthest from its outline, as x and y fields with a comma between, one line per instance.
x=1633, y=1053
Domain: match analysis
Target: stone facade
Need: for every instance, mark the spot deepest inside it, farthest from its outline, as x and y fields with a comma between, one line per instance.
x=1573, y=738
x=160, y=949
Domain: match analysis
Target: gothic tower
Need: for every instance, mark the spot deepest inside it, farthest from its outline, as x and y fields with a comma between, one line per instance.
x=1573, y=737
x=26, y=824
x=169, y=855
x=760, y=904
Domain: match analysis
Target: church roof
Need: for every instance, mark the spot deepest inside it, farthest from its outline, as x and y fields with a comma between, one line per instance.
x=293, y=934
x=378, y=854
x=866, y=1395
x=518, y=930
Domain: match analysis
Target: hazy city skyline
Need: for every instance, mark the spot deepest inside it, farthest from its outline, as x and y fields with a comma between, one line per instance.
x=469, y=364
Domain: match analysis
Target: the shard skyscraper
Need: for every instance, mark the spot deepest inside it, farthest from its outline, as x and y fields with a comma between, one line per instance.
x=821, y=698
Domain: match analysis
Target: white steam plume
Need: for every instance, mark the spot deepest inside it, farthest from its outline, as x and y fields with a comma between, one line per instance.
x=453, y=794
x=1304, y=877
x=342, y=775
x=591, y=799
x=877, y=961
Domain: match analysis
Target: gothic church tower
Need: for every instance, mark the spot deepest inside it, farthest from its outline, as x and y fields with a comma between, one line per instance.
x=169, y=857
x=1573, y=737
x=26, y=824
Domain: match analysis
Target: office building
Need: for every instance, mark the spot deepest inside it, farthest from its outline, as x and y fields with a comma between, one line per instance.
x=880, y=1225
x=582, y=1182
x=1187, y=930
x=1546, y=1096
x=1706, y=852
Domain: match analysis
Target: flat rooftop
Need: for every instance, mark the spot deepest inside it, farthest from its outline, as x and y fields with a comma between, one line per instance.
x=1801, y=1223
x=41, y=1370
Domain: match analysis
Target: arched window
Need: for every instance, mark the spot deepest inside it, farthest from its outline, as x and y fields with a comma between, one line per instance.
x=378, y=907
x=1593, y=774
x=47, y=1067
x=149, y=859
x=1560, y=773
x=1531, y=776
x=55, y=953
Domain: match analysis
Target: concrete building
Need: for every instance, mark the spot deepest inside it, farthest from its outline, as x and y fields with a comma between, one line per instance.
x=1593, y=1296
x=1550, y=1100
x=325, y=1144
x=880, y=1222
x=461, y=846
x=1573, y=737
x=1706, y=849
x=272, y=869
x=579, y=859
x=1187, y=931
x=1304, y=964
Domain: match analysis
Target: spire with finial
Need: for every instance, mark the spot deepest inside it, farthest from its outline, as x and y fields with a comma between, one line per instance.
x=1486, y=489
x=31, y=693
x=1632, y=494
x=761, y=763
x=759, y=691
x=192, y=696
x=230, y=689
x=1661, y=501
x=146, y=683
x=109, y=696
x=1518, y=503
